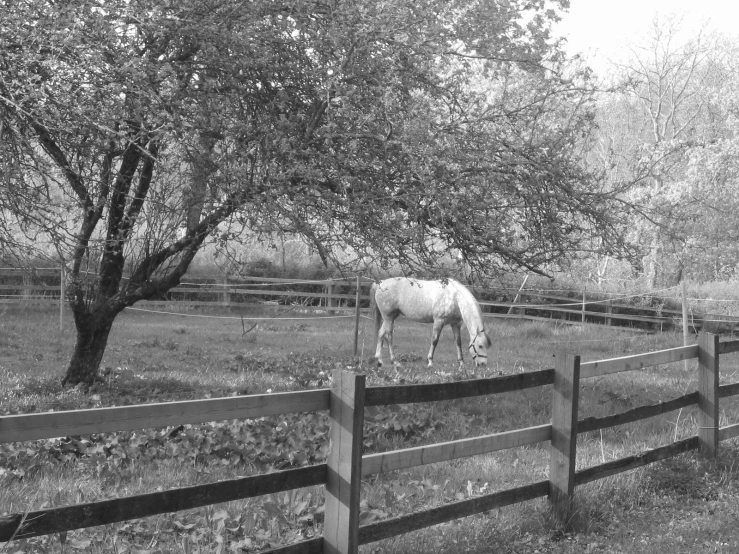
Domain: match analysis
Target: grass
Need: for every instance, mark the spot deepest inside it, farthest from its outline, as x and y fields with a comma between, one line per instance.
x=681, y=505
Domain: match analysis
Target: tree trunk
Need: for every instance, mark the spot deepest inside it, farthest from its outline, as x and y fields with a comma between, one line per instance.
x=651, y=265
x=92, y=337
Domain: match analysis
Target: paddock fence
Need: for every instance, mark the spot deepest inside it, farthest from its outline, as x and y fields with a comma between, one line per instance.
x=342, y=473
x=346, y=296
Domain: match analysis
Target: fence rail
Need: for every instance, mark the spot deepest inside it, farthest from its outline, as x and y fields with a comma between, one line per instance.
x=339, y=296
x=14, y=428
x=342, y=473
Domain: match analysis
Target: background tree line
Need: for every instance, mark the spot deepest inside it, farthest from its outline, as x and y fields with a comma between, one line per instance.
x=667, y=137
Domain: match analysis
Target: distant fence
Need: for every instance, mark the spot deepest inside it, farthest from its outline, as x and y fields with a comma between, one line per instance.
x=595, y=308
x=339, y=296
x=346, y=466
x=46, y=284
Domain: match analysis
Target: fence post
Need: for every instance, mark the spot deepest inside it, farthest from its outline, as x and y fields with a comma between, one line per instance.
x=565, y=398
x=583, y=306
x=344, y=479
x=61, y=298
x=226, y=295
x=27, y=284
x=708, y=398
x=356, y=315
x=330, y=300
x=609, y=311
x=521, y=311
x=685, y=317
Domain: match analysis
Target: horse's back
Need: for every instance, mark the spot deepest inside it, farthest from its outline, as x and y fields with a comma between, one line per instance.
x=419, y=300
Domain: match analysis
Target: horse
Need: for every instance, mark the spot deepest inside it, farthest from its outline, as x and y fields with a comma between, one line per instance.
x=438, y=302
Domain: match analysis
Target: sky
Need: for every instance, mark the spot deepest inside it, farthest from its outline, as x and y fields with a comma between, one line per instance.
x=603, y=29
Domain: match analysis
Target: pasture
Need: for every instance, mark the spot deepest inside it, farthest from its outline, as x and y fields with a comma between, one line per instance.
x=682, y=505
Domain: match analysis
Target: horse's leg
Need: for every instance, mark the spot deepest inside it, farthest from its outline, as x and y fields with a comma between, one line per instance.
x=378, y=348
x=388, y=327
x=385, y=335
x=435, y=334
x=457, y=330
x=381, y=337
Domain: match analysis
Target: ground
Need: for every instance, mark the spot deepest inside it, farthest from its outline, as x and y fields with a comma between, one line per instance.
x=682, y=505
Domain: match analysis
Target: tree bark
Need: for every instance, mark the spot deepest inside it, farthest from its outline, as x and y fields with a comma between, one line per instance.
x=92, y=338
x=651, y=265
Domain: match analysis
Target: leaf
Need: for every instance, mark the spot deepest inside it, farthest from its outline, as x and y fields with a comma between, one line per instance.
x=367, y=517
x=300, y=507
x=220, y=515
x=79, y=544
x=272, y=509
x=250, y=521
x=183, y=526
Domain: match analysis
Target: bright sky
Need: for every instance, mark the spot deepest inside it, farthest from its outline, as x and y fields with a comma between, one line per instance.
x=602, y=29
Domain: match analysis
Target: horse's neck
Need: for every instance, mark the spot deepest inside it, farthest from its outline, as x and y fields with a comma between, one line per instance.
x=471, y=313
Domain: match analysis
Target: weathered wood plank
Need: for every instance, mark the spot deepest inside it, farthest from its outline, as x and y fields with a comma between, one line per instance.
x=554, y=309
x=32, y=288
x=125, y=418
x=405, y=394
x=19, y=271
x=729, y=346
x=708, y=377
x=346, y=280
x=344, y=474
x=386, y=462
x=563, y=450
x=725, y=391
x=728, y=432
x=637, y=361
x=251, y=292
x=632, y=462
x=574, y=301
x=56, y=520
x=636, y=414
x=169, y=304
x=310, y=546
x=448, y=512
x=527, y=317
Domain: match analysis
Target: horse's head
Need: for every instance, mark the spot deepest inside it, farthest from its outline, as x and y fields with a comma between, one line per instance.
x=479, y=347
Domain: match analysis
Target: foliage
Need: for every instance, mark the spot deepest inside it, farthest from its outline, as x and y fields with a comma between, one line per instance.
x=615, y=515
x=268, y=444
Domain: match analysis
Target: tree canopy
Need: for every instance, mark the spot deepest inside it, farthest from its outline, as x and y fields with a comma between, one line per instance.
x=401, y=131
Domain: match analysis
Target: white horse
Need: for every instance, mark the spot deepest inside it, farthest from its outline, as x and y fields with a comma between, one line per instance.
x=437, y=302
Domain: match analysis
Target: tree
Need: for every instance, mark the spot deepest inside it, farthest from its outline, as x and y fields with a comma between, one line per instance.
x=709, y=187
x=400, y=131
x=665, y=109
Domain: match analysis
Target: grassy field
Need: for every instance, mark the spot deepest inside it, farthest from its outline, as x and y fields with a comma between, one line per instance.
x=682, y=505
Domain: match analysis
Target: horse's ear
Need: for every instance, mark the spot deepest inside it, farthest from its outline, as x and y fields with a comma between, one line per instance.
x=488, y=342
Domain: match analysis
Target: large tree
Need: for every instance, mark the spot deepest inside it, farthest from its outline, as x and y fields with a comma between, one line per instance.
x=132, y=132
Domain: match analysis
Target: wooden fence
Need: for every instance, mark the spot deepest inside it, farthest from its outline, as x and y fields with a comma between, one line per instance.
x=47, y=284
x=595, y=308
x=345, y=467
x=339, y=296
